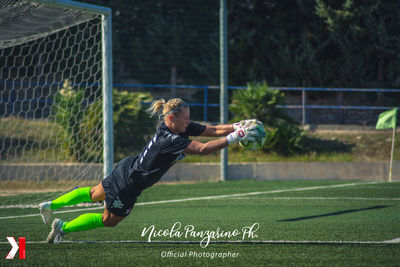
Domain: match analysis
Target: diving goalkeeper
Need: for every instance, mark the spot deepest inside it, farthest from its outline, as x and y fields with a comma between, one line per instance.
x=134, y=174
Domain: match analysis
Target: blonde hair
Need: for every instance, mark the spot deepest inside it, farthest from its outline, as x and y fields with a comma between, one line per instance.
x=163, y=108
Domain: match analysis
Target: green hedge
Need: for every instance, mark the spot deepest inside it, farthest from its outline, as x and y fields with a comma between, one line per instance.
x=82, y=123
x=260, y=102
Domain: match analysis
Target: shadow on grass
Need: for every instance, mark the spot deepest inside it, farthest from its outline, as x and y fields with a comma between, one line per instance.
x=333, y=214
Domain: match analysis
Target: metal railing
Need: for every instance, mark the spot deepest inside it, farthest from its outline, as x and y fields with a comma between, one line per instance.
x=206, y=104
x=303, y=106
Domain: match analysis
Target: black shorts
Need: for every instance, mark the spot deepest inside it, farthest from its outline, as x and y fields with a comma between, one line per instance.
x=121, y=193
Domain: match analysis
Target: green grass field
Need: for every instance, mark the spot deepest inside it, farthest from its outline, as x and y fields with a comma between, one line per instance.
x=315, y=223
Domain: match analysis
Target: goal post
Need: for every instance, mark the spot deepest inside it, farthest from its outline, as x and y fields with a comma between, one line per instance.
x=106, y=39
x=56, y=126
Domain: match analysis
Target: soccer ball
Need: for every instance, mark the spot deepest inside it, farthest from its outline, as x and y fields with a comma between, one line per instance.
x=258, y=143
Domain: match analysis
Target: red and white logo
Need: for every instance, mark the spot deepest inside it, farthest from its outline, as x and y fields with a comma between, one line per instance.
x=241, y=133
x=15, y=247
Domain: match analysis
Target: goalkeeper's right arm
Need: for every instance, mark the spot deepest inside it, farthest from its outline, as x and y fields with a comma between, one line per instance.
x=218, y=130
x=241, y=134
x=225, y=129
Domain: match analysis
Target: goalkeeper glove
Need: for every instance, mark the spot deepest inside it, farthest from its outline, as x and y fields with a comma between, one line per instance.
x=246, y=123
x=248, y=133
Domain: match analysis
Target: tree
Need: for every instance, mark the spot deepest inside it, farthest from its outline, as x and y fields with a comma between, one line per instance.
x=365, y=40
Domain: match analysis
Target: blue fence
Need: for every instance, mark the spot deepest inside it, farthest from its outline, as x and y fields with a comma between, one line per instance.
x=303, y=106
x=10, y=98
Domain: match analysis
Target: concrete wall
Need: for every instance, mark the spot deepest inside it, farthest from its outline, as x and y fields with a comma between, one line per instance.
x=184, y=172
x=40, y=172
x=286, y=170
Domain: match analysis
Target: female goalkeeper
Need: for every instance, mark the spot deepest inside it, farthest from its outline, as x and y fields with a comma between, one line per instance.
x=133, y=174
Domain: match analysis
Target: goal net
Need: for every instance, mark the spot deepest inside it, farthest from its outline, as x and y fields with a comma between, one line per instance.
x=54, y=99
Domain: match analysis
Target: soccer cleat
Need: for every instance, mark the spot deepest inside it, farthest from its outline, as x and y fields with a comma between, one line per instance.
x=56, y=231
x=45, y=211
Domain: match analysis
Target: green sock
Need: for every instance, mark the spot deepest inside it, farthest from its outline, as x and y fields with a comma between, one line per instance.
x=74, y=197
x=84, y=222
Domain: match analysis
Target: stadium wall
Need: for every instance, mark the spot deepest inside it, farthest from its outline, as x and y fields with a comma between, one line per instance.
x=187, y=172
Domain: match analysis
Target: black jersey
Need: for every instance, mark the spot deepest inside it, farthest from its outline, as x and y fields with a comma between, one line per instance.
x=160, y=153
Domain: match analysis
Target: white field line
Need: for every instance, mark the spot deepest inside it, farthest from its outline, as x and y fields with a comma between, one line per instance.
x=205, y=198
x=393, y=241
x=319, y=198
x=321, y=242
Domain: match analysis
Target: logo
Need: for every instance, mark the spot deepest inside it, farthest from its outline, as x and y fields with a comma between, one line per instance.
x=117, y=204
x=15, y=247
x=128, y=211
x=180, y=157
x=205, y=236
x=241, y=133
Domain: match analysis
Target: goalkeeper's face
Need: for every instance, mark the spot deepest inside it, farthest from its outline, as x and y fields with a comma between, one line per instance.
x=179, y=121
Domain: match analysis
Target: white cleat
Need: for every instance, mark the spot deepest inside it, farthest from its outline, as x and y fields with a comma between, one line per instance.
x=56, y=231
x=46, y=211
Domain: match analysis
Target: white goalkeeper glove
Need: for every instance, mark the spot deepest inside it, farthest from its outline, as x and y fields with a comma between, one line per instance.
x=244, y=133
x=246, y=123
